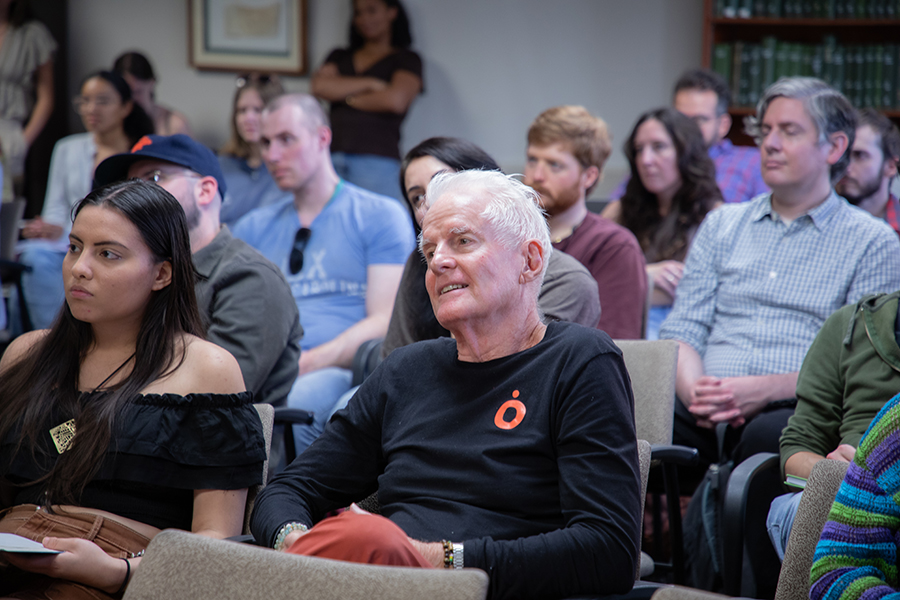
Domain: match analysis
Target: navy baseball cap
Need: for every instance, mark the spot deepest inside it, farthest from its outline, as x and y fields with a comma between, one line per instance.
x=177, y=149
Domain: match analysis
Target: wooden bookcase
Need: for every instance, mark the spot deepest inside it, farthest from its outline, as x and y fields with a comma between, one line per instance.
x=811, y=31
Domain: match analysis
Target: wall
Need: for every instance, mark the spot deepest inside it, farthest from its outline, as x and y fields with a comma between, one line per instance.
x=491, y=65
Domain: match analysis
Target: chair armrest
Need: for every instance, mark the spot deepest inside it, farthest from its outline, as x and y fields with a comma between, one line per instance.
x=292, y=416
x=679, y=455
x=734, y=514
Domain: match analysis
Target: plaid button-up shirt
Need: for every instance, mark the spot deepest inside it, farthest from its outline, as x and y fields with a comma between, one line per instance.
x=756, y=289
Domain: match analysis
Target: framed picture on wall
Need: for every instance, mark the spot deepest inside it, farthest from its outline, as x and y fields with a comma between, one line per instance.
x=248, y=35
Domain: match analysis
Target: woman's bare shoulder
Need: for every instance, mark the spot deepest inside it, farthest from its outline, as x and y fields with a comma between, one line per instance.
x=212, y=368
x=21, y=346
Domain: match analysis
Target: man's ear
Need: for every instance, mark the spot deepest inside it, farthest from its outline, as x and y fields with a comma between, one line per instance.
x=163, y=275
x=724, y=125
x=323, y=134
x=838, y=143
x=589, y=177
x=207, y=186
x=889, y=169
x=534, y=262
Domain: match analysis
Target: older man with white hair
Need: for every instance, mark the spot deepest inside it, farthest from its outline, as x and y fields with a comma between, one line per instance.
x=509, y=448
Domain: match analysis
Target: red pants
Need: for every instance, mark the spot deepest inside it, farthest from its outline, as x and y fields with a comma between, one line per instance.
x=370, y=539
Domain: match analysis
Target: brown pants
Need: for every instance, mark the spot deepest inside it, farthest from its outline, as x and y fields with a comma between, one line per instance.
x=36, y=523
x=370, y=539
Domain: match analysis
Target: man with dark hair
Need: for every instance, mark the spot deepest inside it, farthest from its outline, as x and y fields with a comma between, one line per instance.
x=873, y=166
x=763, y=276
x=704, y=96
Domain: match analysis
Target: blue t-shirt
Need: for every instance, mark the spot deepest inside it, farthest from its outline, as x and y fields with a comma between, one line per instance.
x=356, y=229
x=248, y=188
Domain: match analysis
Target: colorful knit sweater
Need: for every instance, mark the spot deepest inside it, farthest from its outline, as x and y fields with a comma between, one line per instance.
x=856, y=557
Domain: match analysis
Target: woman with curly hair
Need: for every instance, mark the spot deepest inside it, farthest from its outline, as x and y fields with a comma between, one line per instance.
x=672, y=188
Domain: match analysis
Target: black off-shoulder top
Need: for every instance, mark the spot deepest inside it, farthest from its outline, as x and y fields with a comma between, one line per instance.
x=166, y=447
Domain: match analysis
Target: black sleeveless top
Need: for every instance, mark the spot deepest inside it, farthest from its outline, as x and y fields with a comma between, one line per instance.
x=166, y=446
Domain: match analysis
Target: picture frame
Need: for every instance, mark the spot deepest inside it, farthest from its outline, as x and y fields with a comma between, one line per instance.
x=243, y=36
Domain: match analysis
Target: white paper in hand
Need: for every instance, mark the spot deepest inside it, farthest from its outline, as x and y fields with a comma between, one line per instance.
x=10, y=542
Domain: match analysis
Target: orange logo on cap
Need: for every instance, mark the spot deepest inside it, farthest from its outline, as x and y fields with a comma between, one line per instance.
x=502, y=423
x=144, y=141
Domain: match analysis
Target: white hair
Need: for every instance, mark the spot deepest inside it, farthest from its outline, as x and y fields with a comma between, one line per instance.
x=512, y=208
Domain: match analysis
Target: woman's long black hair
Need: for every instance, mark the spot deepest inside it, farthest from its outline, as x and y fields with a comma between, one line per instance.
x=401, y=38
x=665, y=238
x=138, y=123
x=44, y=381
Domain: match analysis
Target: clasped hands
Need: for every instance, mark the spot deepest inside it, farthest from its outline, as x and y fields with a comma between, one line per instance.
x=732, y=400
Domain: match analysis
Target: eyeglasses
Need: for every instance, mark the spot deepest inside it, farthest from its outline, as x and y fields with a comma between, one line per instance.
x=158, y=175
x=300, y=241
x=247, y=78
x=81, y=103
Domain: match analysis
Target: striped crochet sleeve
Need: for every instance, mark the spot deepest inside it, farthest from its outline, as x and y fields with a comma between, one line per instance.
x=856, y=557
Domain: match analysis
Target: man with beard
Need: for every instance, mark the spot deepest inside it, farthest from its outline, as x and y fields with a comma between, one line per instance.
x=244, y=299
x=873, y=166
x=567, y=147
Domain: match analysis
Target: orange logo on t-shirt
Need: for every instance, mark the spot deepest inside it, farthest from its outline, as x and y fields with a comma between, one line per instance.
x=144, y=141
x=502, y=423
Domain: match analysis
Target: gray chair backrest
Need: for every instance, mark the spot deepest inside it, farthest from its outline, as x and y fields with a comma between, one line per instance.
x=812, y=513
x=652, y=366
x=178, y=564
x=10, y=215
x=267, y=417
x=644, y=461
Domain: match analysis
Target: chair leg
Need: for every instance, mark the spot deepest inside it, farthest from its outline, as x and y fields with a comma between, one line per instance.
x=676, y=535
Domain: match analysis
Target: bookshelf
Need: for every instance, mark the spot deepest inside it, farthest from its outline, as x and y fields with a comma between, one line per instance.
x=854, y=45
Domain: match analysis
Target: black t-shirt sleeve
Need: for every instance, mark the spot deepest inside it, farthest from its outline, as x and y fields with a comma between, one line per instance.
x=408, y=60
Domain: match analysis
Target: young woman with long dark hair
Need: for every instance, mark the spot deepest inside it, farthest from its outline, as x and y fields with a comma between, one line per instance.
x=114, y=123
x=120, y=420
x=672, y=187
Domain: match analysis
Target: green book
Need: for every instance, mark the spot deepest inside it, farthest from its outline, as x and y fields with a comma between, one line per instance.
x=877, y=75
x=755, y=87
x=744, y=81
x=817, y=64
x=745, y=9
x=890, y=9
x=860, y=76
x=889, y=81
x=773, y=8
x=839, y=69
x=868, y=70
x=828, y=46
x=769, y=44
x=806, y=60
x=759, y=8
x=722, y=60
x=829, y=8
x=795, y=481
x=795, y=60
x=782, y=59
x=736, y=53
x=808, y=8
x=850, y=9
x=862, y=9
x=838, y=8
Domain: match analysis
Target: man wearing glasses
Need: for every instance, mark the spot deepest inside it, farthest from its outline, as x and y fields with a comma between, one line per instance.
x=244, y=298
x=341, y=248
